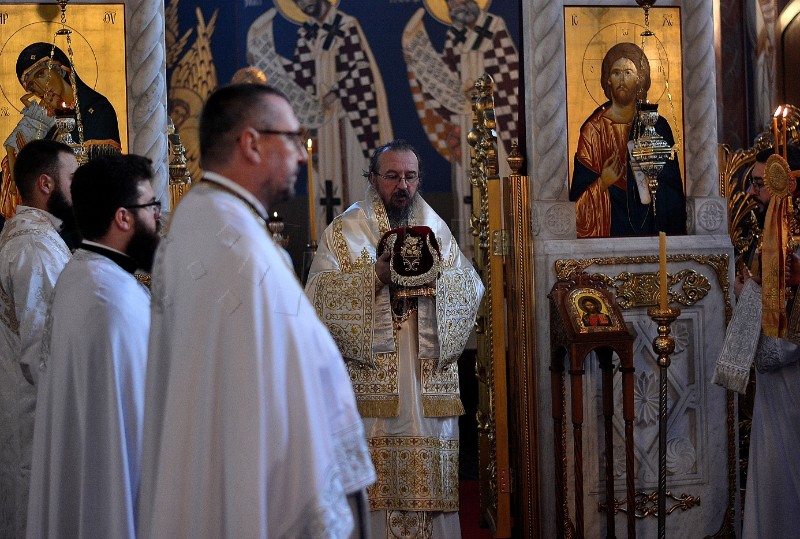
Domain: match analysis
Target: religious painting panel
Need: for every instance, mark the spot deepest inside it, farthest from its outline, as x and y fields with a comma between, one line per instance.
x=33, y=96
x=357, y=74
x=590, y=312
x=626, y=176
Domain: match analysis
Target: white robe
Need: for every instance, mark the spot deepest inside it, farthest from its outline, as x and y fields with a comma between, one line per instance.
x=772, y=499
x=32, y=255
x=413, y=497
x=87, y=439
x=251, y=427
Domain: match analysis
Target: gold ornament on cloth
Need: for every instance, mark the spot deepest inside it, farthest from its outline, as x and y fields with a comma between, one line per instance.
x=780, y=183
x=416, y=260
x=778, y=176
x=179, y=178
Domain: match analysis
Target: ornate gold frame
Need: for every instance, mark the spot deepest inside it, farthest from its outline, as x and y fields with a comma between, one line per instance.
x=492, y=412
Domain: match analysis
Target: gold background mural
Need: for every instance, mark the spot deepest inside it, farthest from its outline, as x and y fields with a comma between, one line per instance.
x=98, y=45
x=588, y=34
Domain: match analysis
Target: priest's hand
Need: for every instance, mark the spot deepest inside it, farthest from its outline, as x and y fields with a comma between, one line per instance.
x=382, y=268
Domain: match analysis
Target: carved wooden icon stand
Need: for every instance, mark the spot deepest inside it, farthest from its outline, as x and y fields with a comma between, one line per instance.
x=585, y=318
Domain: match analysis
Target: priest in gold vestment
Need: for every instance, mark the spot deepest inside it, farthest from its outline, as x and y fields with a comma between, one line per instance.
x=400, y=351
x=610, y=192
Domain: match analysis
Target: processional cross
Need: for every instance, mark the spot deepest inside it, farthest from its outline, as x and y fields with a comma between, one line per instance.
x=329, y=201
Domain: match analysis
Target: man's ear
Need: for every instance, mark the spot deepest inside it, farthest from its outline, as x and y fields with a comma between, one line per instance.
x=248, y=144
x=123, y=219
x=45, y=184
x=372, y=179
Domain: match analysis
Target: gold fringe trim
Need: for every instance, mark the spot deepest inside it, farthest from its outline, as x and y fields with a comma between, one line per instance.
x=442, y=407
x=379, y=408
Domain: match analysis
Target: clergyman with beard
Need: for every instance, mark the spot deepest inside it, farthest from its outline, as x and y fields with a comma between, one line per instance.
x=87, y=440
x=609, y=190
x=32, y=255
x=401, y=340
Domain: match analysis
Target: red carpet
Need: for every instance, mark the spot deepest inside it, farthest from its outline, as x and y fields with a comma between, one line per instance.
x=470, y=511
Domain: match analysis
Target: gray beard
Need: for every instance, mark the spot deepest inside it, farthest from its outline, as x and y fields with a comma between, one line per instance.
x=400, y=216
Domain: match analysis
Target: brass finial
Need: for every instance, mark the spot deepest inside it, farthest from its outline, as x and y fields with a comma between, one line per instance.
x=515, y=158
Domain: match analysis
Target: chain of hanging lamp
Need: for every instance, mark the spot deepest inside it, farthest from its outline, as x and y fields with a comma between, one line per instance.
x=80, y=150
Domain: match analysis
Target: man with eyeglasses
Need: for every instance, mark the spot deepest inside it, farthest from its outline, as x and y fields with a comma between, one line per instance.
x=401, y=340
x=32, y=255
x=757, y=188
x=86, y=460
x=251, y=426
x=763, y=333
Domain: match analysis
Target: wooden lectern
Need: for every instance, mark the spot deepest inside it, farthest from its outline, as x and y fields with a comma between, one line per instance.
x=585, y=318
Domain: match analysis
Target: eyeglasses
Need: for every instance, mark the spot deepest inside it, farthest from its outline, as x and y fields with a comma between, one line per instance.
x=758, y=184
x=156, y=205
x=297, y=137
x=411, y=178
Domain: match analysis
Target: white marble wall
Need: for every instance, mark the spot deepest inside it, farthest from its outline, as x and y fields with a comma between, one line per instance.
x=697, y=428
x=696, y=439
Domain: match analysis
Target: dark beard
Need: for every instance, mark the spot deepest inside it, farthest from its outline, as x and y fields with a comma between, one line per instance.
x=465, y=15
x=142, y=247
x=313, y=10
x=399, y=209
x=625, y=98
x=58, y=206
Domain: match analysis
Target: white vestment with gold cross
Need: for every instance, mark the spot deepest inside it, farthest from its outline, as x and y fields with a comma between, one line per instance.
x=404, y=372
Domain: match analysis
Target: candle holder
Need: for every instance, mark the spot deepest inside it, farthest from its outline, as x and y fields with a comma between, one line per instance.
x=650, y=150
x=308, y=258
x=65, y=123
x=276, y=226
x=179, y=178
x=663, y=345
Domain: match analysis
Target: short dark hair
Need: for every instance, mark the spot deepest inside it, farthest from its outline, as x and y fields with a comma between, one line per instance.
x=397, y=145
x=225, y=111
x=792, y=156
x=36, y=158
x=102, y=186
x=636, y=55
x=763, y=155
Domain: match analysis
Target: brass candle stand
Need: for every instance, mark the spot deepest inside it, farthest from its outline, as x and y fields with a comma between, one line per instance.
x=308, y=258
x=663, y=345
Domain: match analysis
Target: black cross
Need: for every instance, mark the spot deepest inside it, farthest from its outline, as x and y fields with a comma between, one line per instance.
x=483, y=33
x=329, y=201
x=459, y=36
x=333, y=31
x=311, y=30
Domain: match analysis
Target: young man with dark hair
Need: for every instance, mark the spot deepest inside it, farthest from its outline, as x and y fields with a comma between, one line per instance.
x=32, y=255
x=87, y=440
